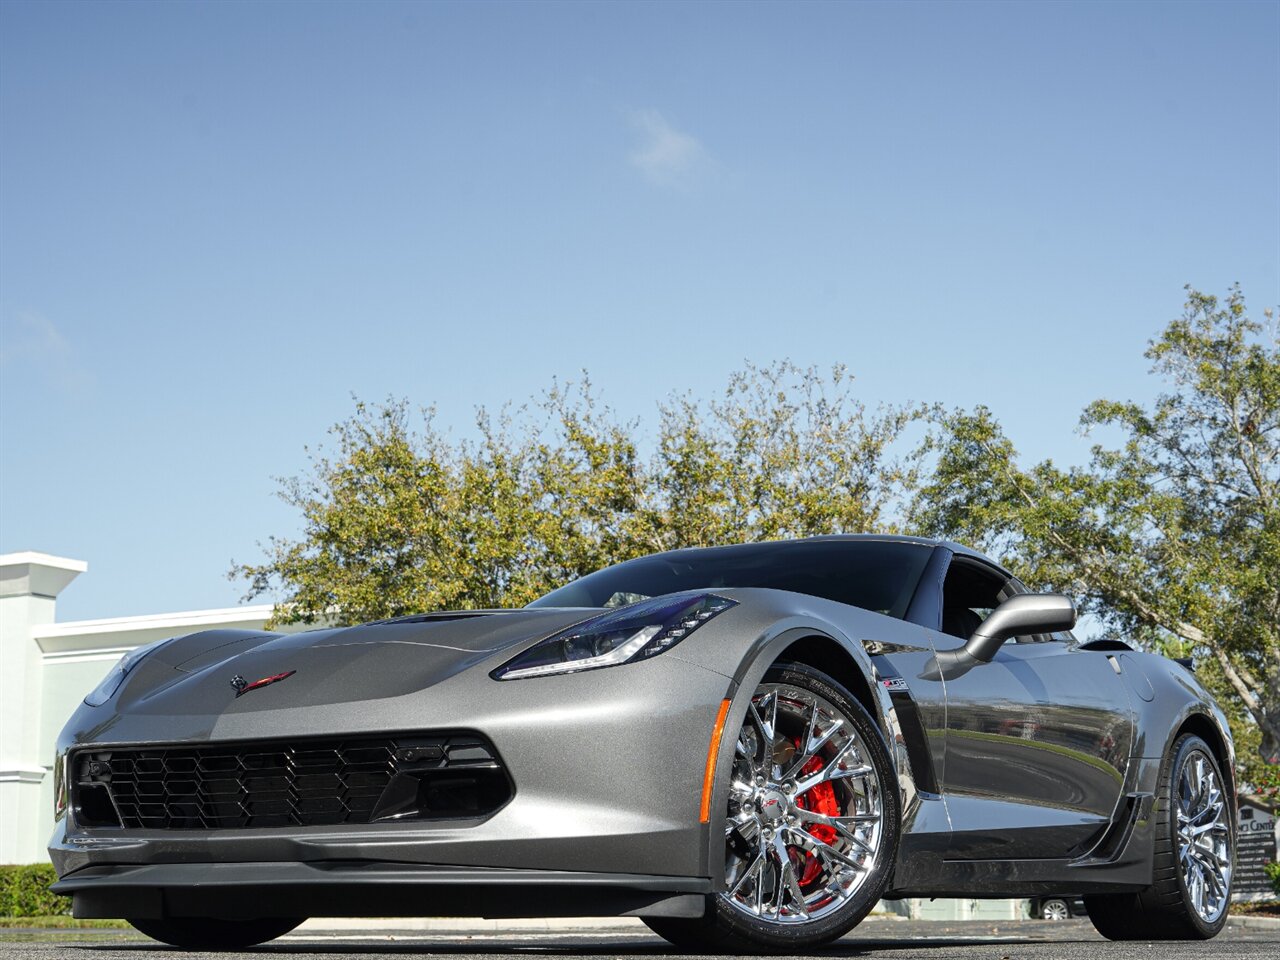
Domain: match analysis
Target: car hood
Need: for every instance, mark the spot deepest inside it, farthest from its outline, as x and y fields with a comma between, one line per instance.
x=194, y=674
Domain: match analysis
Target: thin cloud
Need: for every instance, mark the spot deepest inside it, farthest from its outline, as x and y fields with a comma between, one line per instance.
x=34, y=341
x=666, y=156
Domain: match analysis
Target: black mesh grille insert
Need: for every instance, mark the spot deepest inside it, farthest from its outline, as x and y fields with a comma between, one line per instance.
x=305, y=782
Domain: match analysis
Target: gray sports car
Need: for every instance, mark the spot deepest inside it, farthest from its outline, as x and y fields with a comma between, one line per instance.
x=745, y=746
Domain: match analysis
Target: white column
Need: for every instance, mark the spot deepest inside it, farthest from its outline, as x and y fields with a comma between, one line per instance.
x=29, y=585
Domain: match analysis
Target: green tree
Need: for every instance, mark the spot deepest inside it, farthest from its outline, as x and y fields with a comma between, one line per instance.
x=1173, y=537
x=784, y=452
x=399, y=518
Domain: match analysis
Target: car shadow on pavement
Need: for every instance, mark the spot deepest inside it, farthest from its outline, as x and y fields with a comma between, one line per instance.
x=560, y=946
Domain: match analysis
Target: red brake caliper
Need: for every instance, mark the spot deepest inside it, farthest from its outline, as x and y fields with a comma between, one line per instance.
x=820, y=799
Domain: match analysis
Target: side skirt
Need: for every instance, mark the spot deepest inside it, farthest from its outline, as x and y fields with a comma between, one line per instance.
x=1120, y=860
x=1019, y=878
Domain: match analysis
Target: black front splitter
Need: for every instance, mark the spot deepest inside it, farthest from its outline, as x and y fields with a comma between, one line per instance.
x=355, y=888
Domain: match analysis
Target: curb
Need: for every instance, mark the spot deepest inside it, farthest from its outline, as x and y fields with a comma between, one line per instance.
x=1254, y=923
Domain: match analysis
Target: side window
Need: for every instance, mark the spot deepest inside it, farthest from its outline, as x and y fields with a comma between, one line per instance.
x=969, y=593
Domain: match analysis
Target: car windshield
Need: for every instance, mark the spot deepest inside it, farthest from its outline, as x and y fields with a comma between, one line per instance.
x=879, y=575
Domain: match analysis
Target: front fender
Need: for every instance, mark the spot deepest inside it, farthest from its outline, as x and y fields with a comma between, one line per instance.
x=768, y=624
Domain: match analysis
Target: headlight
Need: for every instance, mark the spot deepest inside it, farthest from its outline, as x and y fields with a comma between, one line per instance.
x=111, y=682
x=634, y=632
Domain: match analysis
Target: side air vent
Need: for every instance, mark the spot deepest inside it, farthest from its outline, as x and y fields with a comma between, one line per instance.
x=1115, y=838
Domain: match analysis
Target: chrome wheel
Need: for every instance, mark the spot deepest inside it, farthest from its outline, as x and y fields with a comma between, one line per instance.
x=1204, y=837
x=1055, y=910
x=805, y=818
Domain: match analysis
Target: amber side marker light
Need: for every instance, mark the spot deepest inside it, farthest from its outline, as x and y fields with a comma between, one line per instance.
x=709, y=777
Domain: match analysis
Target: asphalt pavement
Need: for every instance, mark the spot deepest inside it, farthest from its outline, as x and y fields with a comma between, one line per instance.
x=887, y=939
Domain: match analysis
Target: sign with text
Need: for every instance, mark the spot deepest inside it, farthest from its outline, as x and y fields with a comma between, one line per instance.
x=1255, y=845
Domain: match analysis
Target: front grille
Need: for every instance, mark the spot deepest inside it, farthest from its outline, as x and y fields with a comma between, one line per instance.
x=295, y=783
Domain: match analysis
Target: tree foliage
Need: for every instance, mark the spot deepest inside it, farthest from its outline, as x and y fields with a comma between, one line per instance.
x=399, y=518
x=782, y=453
x=1172, y=537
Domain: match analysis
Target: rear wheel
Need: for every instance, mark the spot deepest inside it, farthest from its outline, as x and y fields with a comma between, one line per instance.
x=811, y=828
x=1194, y=855
x=206, y=933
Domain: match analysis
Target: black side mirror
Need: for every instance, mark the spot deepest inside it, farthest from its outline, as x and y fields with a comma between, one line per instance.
x=1025, y=613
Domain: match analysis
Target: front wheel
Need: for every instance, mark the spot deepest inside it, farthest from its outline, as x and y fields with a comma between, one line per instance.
x=206, y=933
x=811, y=828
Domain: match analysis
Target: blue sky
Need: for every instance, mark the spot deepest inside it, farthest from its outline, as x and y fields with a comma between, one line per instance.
x=218, y=221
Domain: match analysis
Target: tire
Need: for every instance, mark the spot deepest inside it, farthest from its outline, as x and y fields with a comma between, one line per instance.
x=1172, y=908
x=839, y=834
x=206, y=933
x=1054, y=908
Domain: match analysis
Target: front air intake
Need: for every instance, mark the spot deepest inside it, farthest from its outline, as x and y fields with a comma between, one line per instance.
x=294, y=783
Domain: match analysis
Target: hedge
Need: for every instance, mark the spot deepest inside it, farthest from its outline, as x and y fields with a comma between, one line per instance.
x=24, y=892
x=1273, y=874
